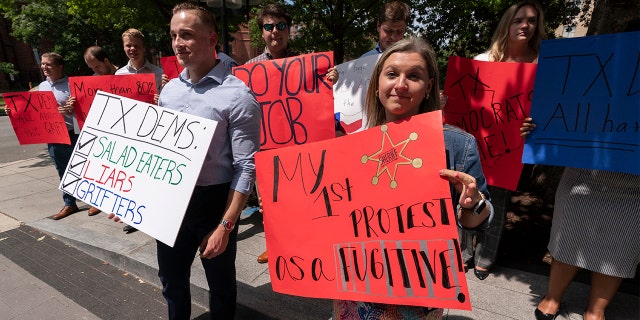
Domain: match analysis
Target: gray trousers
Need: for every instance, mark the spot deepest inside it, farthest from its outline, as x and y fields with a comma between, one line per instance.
x=486, y=241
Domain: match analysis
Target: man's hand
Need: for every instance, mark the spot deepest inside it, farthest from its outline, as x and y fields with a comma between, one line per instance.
x=214, y=243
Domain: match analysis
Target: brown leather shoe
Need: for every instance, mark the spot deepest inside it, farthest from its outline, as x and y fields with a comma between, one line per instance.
x=93, y=211
x=263, y=258
x=66, y=211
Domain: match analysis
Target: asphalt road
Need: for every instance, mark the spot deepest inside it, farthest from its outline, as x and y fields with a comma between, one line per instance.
x=11, y=150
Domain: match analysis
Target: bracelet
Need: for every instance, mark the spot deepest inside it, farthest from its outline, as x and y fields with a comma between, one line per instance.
x=477, y=208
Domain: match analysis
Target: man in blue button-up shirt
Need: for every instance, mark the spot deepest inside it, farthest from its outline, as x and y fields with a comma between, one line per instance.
x=52, y=66
x=206, y=88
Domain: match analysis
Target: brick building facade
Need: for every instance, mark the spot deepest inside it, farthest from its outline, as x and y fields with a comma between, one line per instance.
x=21, y=55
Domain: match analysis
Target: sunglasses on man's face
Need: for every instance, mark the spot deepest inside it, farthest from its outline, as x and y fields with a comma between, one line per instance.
x=280, y=26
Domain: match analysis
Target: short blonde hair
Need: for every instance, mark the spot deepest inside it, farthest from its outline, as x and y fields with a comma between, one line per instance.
x=205, y=15
x=57, y=59
x=133, y=33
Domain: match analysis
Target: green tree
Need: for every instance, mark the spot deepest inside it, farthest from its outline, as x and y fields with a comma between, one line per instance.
x=345, y=27
x=70, y=26
x=464, y=28
x=348, y=28
x=454, y=27
x=8, y=68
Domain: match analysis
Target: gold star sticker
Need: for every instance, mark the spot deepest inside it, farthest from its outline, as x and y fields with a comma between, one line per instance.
x=391, y=155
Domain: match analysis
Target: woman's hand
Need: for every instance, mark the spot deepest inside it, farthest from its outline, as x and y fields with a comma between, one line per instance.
x=470, y=197
x=465, y=185
x=527, y=127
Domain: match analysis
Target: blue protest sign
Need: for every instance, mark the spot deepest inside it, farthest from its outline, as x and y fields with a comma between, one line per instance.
x=586, y=104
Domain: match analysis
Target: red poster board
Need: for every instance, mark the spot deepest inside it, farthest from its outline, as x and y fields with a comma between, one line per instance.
x=35, y=117
x=296, y=98
x=171, y=67
x=141, y=87
x=364, y=217
x=490, y=100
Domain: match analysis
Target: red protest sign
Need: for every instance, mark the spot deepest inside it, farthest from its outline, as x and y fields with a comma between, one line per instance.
x=296, y=98
x=141, y=87
x=490, y=100
x=364, y=217
x=171, y=67
x=35, y=117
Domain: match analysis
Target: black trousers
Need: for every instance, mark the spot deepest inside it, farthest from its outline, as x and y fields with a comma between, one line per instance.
x=204, y=213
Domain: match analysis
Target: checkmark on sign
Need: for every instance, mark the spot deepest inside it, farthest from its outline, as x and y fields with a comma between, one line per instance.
x=76, y=164
x=68, y=183
x=85, y=143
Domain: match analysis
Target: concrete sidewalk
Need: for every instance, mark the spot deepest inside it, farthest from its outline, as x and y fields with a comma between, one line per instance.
x=29, y=195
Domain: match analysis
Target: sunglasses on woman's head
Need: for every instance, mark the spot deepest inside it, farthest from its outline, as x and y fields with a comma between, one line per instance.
x=280, y=26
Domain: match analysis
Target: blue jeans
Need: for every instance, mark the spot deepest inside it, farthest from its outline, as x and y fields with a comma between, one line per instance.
x=60, y=154
x=204, y=213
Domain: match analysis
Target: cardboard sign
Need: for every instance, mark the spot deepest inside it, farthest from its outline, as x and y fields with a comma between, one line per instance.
x=490, y=100
x=141, y=87
x=35, y=117
x=364, y=217
x=138, y=161
x=170, y=66
x=350, y=90
x=296, y=98
x=586, y=104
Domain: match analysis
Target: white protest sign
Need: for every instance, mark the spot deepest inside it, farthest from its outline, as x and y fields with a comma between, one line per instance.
x=350, y=90
x=138, y=161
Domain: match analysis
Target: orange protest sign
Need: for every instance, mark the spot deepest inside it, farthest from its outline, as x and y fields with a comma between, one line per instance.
x=296, y=98
x=141, y=87
x=170, y=66
x=490, y=100
x=35, y=117
x=364, y=217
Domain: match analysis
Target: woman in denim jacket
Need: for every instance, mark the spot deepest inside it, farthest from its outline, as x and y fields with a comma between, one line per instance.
x=462, y=155
x=405, y=83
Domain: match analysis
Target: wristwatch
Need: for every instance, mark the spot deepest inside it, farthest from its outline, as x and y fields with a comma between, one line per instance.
x=477, y=209
x=228, y=225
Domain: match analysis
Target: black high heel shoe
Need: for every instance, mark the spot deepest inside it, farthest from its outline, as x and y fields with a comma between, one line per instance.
x=481, y=274
x=545, y=316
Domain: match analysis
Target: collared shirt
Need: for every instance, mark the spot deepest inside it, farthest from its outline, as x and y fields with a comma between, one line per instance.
x=376, y=50
x=224, y=98
x=226, y=60
x=61, y=91
x=265, y=56
x=148, y=67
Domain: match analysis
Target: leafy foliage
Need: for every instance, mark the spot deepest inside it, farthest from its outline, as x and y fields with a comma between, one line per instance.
x=465, y=28
x=6, y=67
x=70, y=26
x=455, y=27
x=347, y=27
